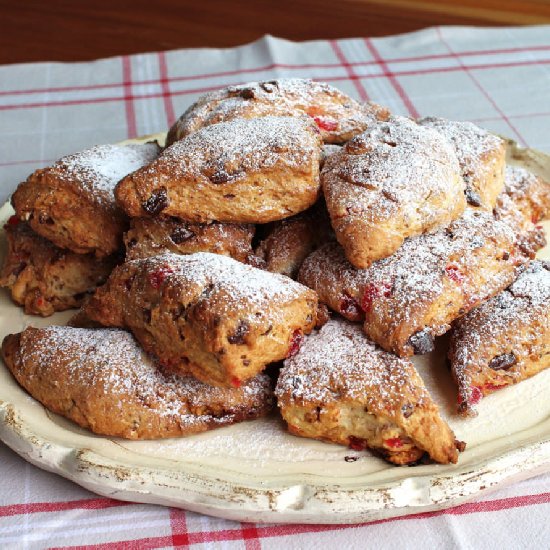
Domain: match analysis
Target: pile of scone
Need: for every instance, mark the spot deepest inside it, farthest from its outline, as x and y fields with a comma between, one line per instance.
x=282, y=221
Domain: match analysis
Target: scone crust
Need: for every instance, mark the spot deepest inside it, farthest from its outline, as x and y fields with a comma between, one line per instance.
x=44, y=278
x=72, y=204
x=505, y=340
x=150, y=237
x=411, y=297
x=481, y=156
x=206, y=314
x=394, y=181
x=340, y=387
x=338, y=116
x=241, y=171
x=101, y=379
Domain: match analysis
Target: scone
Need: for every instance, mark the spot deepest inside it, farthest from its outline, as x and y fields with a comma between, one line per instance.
x=408, y=299
x=525, y=199
x=481, y=156
x=72, y=204
x=103, y=381
x=288, y=242
x=338, y=116
x=150, y=237
x=44, y=278
x=340, y=387
x=394, y=181
x=505, y=340
x=206, y=314
x=241, y=171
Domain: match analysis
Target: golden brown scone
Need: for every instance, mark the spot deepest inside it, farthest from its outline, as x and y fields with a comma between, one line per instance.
x=71, y=203
x=289, y=242
x=150, y=237
x=408, y=299
x=394, y=181
x=338, y=116
x=525, y=199
x=505, y=340
x=523, y=203
x=241, y=171
x=481, y=156
x=341, y=387
x=103, y=381
x=44, y=278
x=206, y=314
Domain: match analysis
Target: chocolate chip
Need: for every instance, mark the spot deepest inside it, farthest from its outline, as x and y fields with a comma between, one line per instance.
x=503, y=362
x=351, y=458
x=422, y=342
x=131, y=243
x=239, y=335
x=222, y=176
x=156, y=203
x=247, y=93
x=506, y=256
x=472, y=198
x=269, y=86
x=181, y=234
x=407, y=409
x=229, y=196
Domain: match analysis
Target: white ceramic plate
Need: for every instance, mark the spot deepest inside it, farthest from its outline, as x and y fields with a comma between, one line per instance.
x=255, y=471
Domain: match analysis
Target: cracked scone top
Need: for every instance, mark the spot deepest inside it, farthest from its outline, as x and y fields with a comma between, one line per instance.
x=394, y=181
x=72, y=203
x=206, y=314
x=244, y=170
x=505, y=340
x=102, y=380
x=341, y=387
x=337, y=115
x=481, y=156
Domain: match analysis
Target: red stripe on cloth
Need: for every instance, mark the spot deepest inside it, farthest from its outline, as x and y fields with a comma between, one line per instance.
x=41, y=507
x=280, y=66
x=168, y=105
x=352, y=76
x=391, y=77
x=250, y=535
x=128, y=97
x=269, y=531
x=217, y=87
x=481, y=88
x=178, y=526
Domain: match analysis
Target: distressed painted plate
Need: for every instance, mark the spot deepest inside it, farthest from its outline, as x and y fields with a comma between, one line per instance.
x=255, y=471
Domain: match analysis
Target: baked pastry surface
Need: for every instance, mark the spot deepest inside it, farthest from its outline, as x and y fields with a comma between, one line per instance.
x=244, y=170
x=150, y=237
x=505, y=340
x=103, y=381
x=394, y=181
x=337, y=115
x=481, y=156
x=72, y=204
x=44, y=278
x=341, y=387
x=411, y=297
x=206, y=314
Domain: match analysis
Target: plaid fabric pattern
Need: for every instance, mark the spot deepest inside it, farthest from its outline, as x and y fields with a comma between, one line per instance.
x=497, y=78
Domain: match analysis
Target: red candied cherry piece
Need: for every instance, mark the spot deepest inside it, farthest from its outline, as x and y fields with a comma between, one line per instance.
x=157, y=277
x=12, y=221
x=357, y=443
x=326, y=123
x=393, y=442
x=454, y=273
x=493, y=387
x=372, y=292
x=40, y=301
x=476, y=396
x=295, y=342
x=235, y=382
x=350, y=306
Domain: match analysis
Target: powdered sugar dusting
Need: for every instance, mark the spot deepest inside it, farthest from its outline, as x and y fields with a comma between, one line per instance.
x=112, y=360
x=338, y=364
x=228, y=151
x=100, y=168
